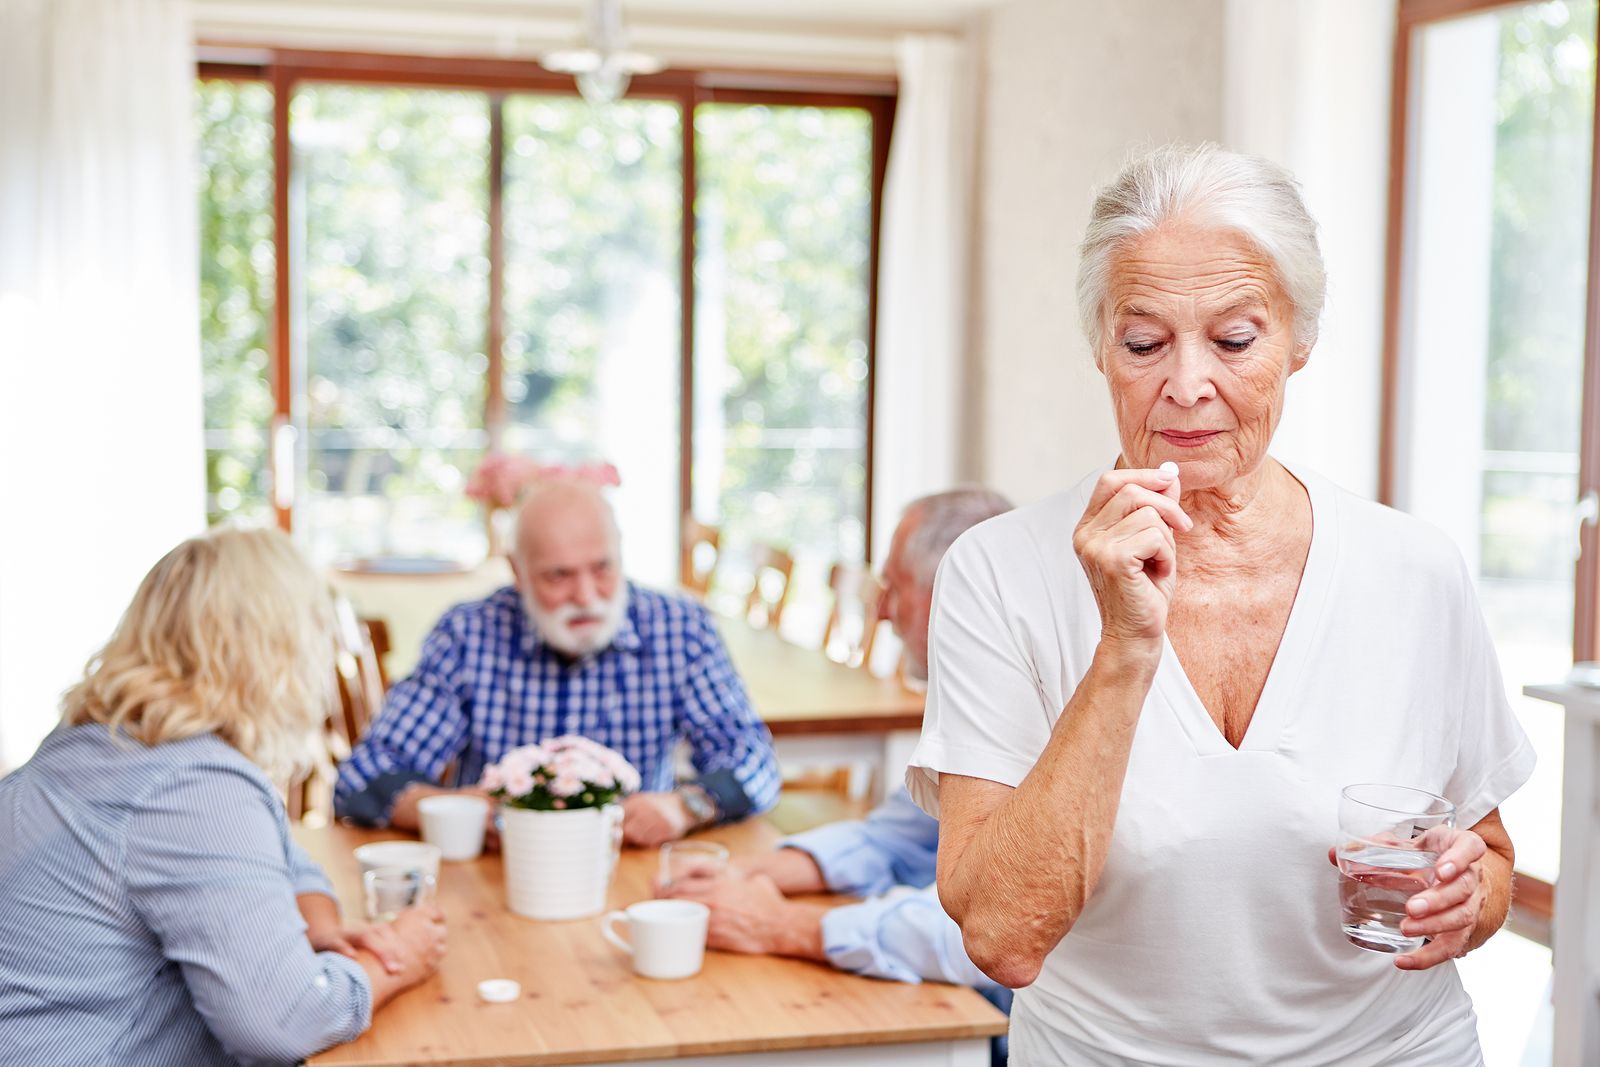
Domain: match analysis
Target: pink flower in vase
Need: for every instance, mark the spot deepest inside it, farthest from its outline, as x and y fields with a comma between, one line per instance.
x=566, y=786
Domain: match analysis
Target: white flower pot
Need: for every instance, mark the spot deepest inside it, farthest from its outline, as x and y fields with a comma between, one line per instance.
x=559, y=863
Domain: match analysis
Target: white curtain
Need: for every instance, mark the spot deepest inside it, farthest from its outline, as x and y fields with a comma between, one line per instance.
x=923, y=280
x=101, y=462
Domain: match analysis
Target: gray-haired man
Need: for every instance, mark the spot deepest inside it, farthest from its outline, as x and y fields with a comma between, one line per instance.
x=902, y=935
x=928, y=527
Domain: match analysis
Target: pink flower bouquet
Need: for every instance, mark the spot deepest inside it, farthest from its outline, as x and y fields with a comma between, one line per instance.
x=562, y=774
x=501, y=478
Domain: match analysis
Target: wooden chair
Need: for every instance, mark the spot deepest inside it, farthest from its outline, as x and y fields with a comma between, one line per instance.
x=856, y=596
x=835, y=780
x=699, y=550
x=360, y=674
x=812, y=796
x=378, y=634
x=358, y=677
x=769, y=586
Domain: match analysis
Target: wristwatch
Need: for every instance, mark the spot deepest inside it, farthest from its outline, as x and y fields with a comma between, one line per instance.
x=702, y=809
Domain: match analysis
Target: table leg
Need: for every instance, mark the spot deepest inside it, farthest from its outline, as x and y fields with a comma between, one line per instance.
x=1577, y=918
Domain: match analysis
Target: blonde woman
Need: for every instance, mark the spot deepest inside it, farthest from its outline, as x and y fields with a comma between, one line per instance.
x=156, y=909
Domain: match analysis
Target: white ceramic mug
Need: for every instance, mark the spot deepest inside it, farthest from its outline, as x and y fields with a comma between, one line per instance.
x=668, y=936
x=455, y=823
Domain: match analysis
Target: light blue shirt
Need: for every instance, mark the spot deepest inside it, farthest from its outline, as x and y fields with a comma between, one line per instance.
x=904, y=936
x=148, y=912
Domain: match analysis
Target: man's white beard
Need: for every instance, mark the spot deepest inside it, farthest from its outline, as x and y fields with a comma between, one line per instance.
x=555, y=625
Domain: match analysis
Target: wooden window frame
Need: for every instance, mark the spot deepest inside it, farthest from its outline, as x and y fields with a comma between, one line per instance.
x=1532, y=898
x=285, y=69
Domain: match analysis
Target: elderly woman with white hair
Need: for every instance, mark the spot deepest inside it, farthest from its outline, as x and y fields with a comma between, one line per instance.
x=1147, y=692
x=156, y=909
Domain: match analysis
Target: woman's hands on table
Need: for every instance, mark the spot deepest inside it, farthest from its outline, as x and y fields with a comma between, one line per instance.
x=378, y=939
x=415, y=941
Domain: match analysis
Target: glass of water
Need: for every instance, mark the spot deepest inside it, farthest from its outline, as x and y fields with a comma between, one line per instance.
x=391, y=890
x=682, y=860
x=1390, y=837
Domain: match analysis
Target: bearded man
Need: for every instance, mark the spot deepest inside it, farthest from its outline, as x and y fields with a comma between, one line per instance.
x=572, y=648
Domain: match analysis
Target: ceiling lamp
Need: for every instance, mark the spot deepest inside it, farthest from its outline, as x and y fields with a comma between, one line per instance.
x=605, y=66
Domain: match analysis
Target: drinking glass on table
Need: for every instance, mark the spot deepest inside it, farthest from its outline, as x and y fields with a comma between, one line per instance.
x=1390, y=837
x=391, y=890
x=691, y=859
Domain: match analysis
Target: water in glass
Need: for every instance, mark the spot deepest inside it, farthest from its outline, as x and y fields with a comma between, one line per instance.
x=1390, y=838
x=1374, y=884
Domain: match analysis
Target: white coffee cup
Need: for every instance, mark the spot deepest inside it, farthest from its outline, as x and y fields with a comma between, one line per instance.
x=454, y=823
x=411, y=855
x=669, y=936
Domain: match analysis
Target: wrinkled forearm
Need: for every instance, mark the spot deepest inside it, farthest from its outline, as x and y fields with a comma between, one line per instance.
x=1495, y=871
x=1017, y=878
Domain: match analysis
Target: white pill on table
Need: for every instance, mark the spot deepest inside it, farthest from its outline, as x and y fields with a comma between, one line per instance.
x=499, y=990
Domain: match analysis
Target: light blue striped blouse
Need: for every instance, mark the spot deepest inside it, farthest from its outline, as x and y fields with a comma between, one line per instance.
x=148, y=914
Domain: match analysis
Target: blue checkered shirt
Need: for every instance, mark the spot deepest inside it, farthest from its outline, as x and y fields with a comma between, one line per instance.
x=486, y=683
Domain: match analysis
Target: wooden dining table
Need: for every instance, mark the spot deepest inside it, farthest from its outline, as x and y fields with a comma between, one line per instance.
x=821, y=711
x=581, y=1003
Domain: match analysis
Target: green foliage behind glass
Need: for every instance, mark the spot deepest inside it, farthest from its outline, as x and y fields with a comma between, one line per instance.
x=1538, y=277
x=390, y=203
x=234, y=139
x=593, y=209
x=784, y=216
x=394, y=184
x=1545, y=100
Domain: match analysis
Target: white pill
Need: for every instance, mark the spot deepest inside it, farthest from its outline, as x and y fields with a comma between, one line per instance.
x=1169, y=468
x=499, y=990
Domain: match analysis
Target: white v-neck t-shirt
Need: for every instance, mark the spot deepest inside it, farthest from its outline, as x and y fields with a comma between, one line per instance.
x=1213, y=935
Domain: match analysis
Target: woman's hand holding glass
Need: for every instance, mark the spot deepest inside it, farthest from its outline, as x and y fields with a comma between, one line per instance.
x=1405, y=872
x=1447, y=912
x=1127, y=544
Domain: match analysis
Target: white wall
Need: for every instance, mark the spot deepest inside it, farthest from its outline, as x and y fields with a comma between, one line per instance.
x=1070, y=87
x=845, y=36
